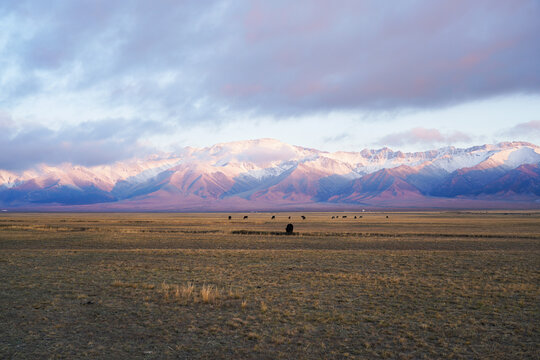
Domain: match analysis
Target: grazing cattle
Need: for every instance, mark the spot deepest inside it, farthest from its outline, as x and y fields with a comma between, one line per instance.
x=355, y=216
x=387, y=216
x=360, y=216
x=245, y=217
x=289, y=218
x=230, y=217
x=303, y=217
x=289, y=229
x=344, y=216
x=273, y=217
x=333, y=217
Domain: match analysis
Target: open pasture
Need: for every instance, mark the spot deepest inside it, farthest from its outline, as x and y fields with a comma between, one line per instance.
x=395, y=285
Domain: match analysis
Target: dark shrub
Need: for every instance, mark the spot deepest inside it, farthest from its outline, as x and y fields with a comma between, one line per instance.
x=289, y=229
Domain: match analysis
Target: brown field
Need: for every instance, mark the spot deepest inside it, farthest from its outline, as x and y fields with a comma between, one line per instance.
x=152, y=286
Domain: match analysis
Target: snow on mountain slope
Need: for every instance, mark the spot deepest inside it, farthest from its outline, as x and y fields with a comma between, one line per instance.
x=103, y=177
x=271, y=171
x=512, y=158
x=8, y=179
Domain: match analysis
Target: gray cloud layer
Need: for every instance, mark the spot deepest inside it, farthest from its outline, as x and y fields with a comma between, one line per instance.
x=423, y=136
x=90, y=143
x=276, y=57
x=527, y=128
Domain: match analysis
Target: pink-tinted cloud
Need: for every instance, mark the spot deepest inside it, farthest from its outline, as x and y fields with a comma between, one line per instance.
x=527, y=128
x=91, y=143
x=277, y=57
x=423, y=136
x=309, y=56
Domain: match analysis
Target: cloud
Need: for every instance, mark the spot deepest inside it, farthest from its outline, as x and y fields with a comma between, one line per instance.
x=339, y=138
x=196, y=61
x=89, y=144
x=321, y=57
x=423, y=136
x=265, y=154
x=527, y=128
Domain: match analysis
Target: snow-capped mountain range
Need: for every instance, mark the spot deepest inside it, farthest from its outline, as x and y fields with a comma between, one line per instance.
x=267, y=174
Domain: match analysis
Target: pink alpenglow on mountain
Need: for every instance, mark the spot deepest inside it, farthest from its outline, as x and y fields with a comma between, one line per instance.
x=267, y=174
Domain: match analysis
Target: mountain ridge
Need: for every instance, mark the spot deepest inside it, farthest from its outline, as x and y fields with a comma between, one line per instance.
x=270, y=174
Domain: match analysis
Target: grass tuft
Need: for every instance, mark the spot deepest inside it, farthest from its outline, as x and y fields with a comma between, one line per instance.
x=186, y=291
x=209, y=294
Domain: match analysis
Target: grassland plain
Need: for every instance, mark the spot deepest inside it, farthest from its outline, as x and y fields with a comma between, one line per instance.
x=391, y=285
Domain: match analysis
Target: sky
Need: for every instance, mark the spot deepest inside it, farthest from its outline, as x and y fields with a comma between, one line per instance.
x=97, y=81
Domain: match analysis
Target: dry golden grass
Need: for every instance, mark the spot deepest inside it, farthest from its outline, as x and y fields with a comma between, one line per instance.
x=186, y=291
x=415, y=285
x=209, y=294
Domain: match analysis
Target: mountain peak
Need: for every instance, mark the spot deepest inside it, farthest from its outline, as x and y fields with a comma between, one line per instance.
x=268, y=173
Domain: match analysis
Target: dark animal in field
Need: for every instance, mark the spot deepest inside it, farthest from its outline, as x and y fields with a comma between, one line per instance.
x=355, y=216
x=273, y=217
x=387, y=216
x=289, y=229
x=289, y=218
x=333, y=217
x=230, y=217
x=344, y=216
x=360, y=217
x=303, y=217
x=245, y=217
